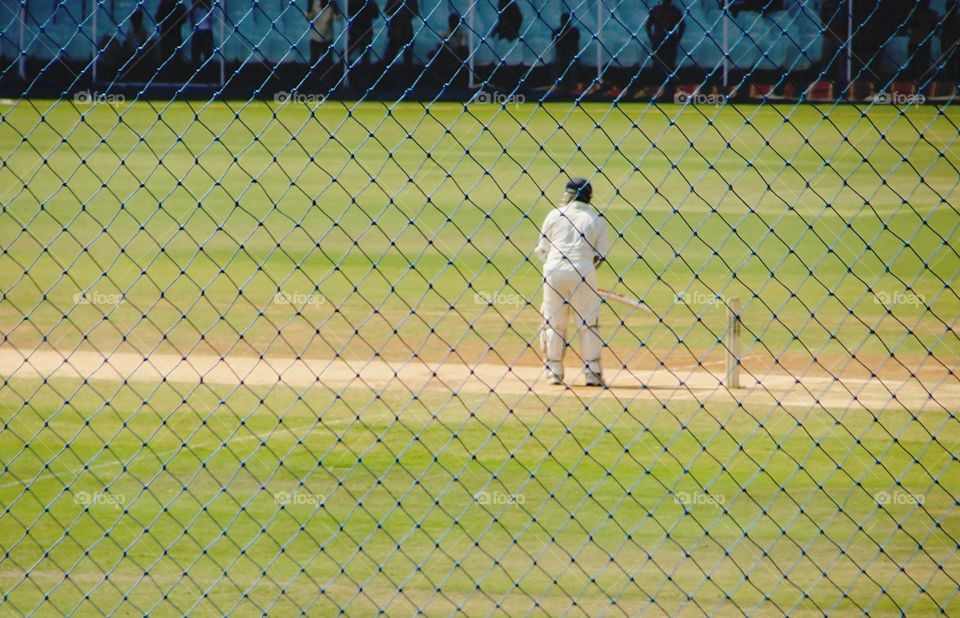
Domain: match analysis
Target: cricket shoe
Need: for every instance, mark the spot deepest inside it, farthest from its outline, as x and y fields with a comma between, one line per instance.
x=595, y=379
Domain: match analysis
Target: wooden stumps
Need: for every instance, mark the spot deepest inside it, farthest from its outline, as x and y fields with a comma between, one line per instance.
x=733, y=343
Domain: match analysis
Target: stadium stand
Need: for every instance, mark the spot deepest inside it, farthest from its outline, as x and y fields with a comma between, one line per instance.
x=271, y=38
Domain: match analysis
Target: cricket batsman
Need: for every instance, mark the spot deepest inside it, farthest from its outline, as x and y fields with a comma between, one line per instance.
x=573, y=242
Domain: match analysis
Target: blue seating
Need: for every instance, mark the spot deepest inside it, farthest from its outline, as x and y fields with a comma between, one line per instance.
x=275, y=31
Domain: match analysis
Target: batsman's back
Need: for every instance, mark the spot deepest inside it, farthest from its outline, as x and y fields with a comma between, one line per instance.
x=573, y=232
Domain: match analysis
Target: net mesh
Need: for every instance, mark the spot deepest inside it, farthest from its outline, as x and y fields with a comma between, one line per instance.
x=271, y=313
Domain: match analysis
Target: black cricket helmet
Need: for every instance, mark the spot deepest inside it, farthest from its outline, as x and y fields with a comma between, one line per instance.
x=580, y=189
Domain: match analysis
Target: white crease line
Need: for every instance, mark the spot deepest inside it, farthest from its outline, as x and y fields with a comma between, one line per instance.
x=141, y=454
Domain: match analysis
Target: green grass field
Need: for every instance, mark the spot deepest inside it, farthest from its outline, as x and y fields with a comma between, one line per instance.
x=387, y=225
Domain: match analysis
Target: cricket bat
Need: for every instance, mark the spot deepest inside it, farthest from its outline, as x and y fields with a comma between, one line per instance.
x=626, y=300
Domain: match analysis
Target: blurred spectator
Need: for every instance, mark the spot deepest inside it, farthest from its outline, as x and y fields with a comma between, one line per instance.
x=509, y=21
x=170, y=17
x=950, y=40
x=452, y=52
x=137, y=34
x=134, y=48
x=322, y=14
x=665, y=28
x=834, y=22
x=920, y=27
x=400, y=14
x=566, y=44
x=201, y=15
x=455, y=39
x=360, y=17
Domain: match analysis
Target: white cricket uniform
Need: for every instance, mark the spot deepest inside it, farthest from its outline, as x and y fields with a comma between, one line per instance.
x=573, y=235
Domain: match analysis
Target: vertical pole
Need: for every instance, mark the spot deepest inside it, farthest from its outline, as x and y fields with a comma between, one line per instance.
x=22, y=63
x=849, y=41
x=471, y=43
x=96, y=51
x=599, y=40
x=726, y=44
x=222, y=5
x=347, y=16
x=733, y=343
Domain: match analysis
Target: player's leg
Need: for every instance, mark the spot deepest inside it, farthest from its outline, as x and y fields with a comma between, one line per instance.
x=586, y=307
x=555, y=311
